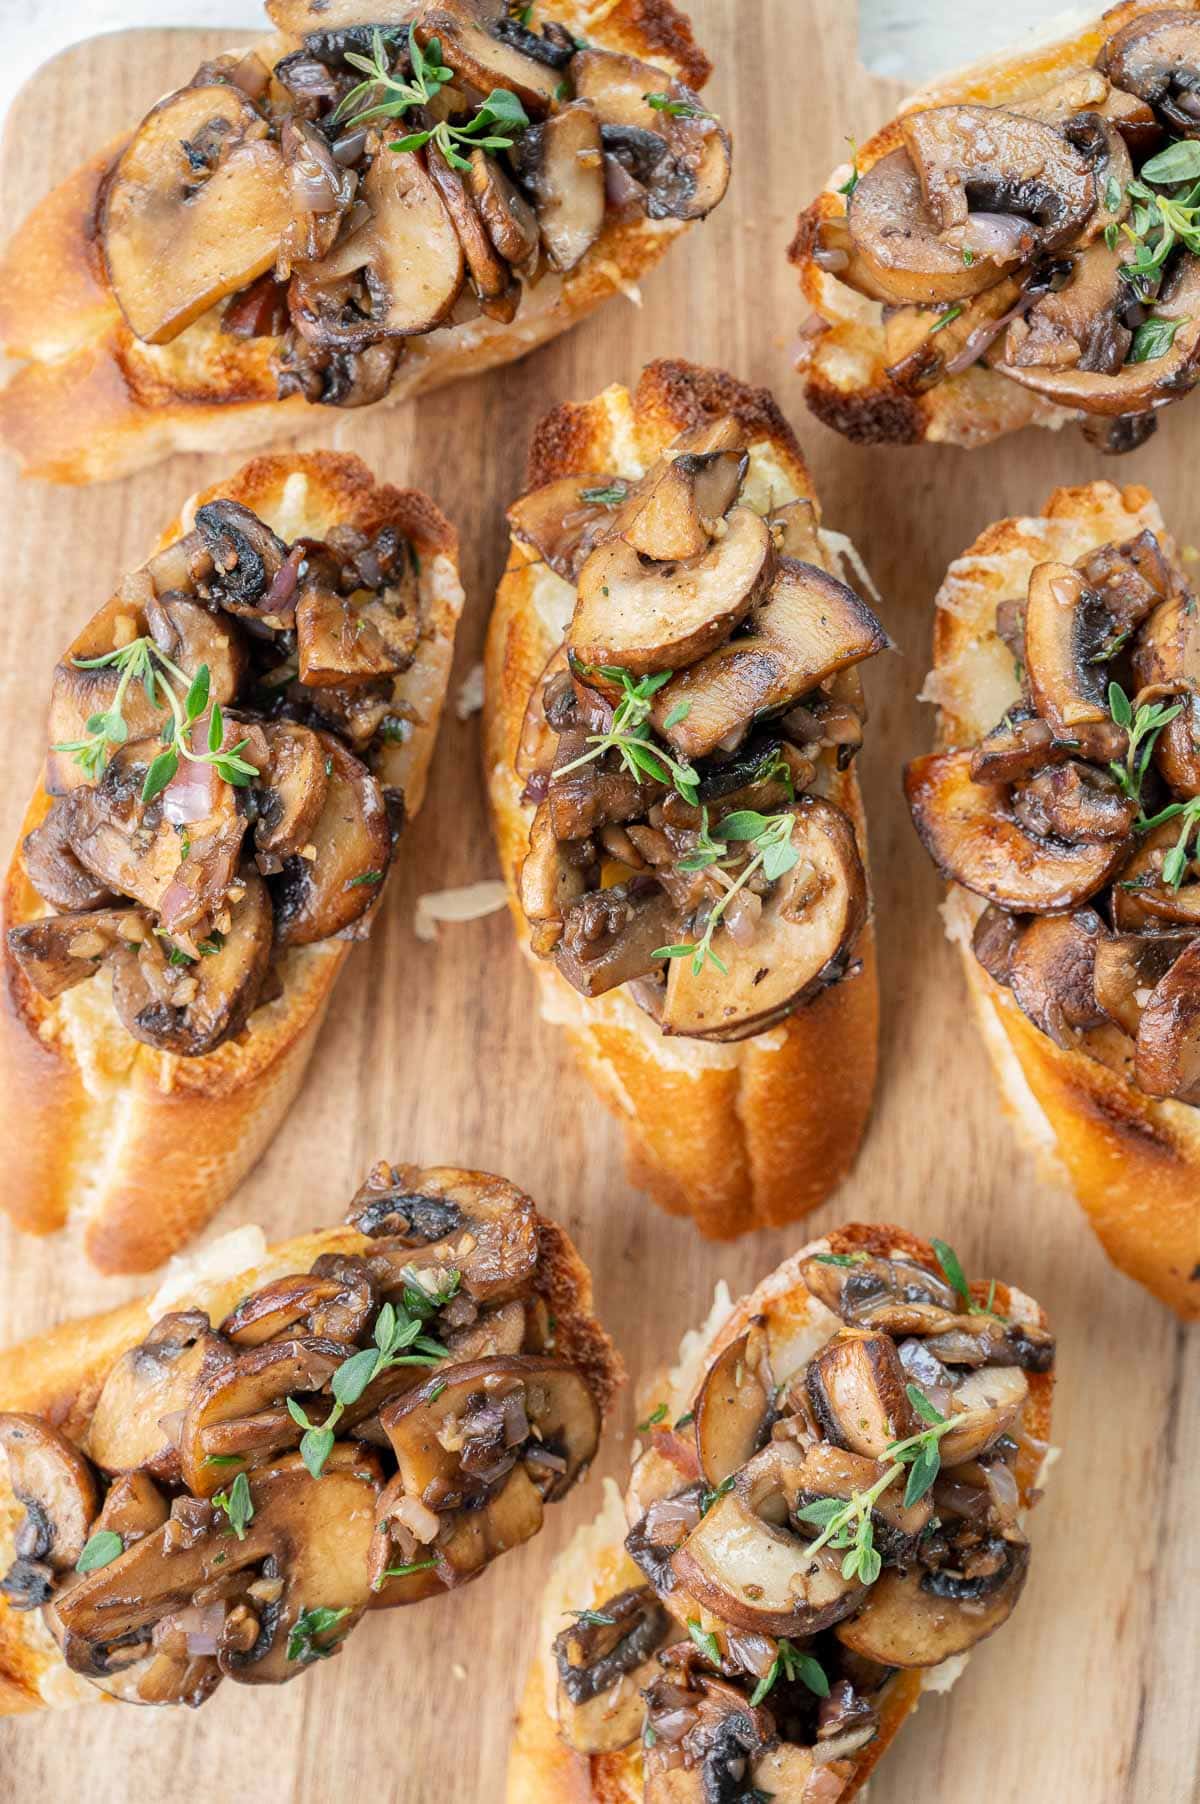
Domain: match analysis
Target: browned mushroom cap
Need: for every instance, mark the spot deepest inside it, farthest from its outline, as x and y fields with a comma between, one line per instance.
x=457, y=1435
x=194, y=209
x=1051, y=973
x=399, y=274
x=997, y=162
x=563, y=161
x=57, y=1490
x=970, y=832
x=743, y=1563
x=321, y=895
x=1166, y=659
x=893, y=1295
x=678, y=154
x=989, y=1401
x=478, y=1225
x=62, y=950
x=469, y=32
x=290, y=793
x=655, y=617
x=609, y=937
x=562, y=520
x=856, y=1386
x=1167, y=1061
x=305, y=1549
x=604, y=1661
x=1074, y=801
x=351, y=638
x=334, y=1307
x=239, y=1408
x=896, y=238
x=809, y=626
x=194, y=1006
x=1067, y=629
x=1129, y=967
x=809, y=919
x=52, y=866
x=148, y=1386
x=1157, y=57
x=1137, y=387
x=732, y=1408
x=676, y=509
x=1076, y=326
x=1142, y=900
x=1021, y=745
x=904, y=1622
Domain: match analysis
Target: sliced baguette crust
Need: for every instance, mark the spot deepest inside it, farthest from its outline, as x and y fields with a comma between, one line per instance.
x=60, y=1376
x=93, y=403
x=738, y=1137
x=1132, y=1161
x=137, y=1148
x=594, y=1565
x=842, y=356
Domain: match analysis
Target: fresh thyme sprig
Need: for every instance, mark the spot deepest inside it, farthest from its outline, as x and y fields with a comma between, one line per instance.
x=1175, y=864
x=848, y=1525
x=143, y=662
x=791, y=1663
x=630, y=735
x=953, y=1272
x=501, y=110
x=1143, y=728
x=302, y=1645
x=399, y=1341
x=768, y=848
x=1158, y=223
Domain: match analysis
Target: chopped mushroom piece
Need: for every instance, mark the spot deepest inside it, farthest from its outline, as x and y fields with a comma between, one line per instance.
x=475, y=42
x=55, y=1487
x=239, y=1407
x=733, y=1407
x=1156, y=55
x=62, y=950
x=563, y=162
x=1052, y=974
x=856, y=1387
x=331, y=883
x=1065, y=626
x=991, y=161
x=604, y=1661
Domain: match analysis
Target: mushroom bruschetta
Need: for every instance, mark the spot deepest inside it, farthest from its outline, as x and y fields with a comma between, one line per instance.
x=827, y=1515
x=1063, y=807
x=673, y=705
x=234, y=741
x=1020, y=247
x=375, y=201
x=367, y=1417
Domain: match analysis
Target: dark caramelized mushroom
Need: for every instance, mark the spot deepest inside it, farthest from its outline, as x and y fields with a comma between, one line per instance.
x=325, y=893
x=604, y=1660
x=57, y=1490
x=1052, y=974
x=856, y=1387
x=62, y=950
x=1156, y=56
x=1168, y=1034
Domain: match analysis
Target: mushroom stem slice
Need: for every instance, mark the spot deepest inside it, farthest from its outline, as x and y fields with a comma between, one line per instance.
x=1168, y=1035
x=194, y=210
x=902, y=1623
x=809, y=921
x=649, y=618
x=971, y=834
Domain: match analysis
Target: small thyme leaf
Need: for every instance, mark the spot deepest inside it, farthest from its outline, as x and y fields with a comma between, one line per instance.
x=676, y=109
x=705, y=1640
x=237, y=1505
x=302, y=1645
x=592, y=1618
x=610, y=497
x=104, y=1547
x=653, y=1419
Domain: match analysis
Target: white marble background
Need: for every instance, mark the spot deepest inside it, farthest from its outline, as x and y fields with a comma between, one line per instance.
x=910, y=39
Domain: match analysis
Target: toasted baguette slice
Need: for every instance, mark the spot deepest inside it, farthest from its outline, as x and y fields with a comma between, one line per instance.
x=134, y=1148
x=93, y=402
x=543, y=1769
x=738, y=1136
x=1132, y=1161
x=842, y=356
x=61, y=1374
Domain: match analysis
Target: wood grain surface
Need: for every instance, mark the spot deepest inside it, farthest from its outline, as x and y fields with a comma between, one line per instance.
x=1092, y=1693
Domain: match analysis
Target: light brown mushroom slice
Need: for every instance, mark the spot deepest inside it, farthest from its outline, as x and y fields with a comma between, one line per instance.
x=1129, y=967
x=1166, y=658
x=407, y=253
x=290, y=793
x=922, y=347
x=1142, y=900
x=1167, y=1061
x=192, y=635
x=745, y=1565
x=474, y=1538
x=1156, y=56
x=490, y=275
x=54, y=869
x=897, y=243
x=692, y=176
x=970, y=832
x=903, y=1624
x=857, y=1389
x=59, y=951
x=329, y=1307
x=990, y=1400
x=347, y=639
x=177, y=239
x=464, y=29
x=1065, y=626
x=562, y=520
x=809, y=626
x=1078, y=323
x=732, y=1408
x=149, y=1386
x=604, y=1660
x=655, y=618
x=809, y=919
x=133, y=1508
x=1052, y=974
x=549, y=882
x=76, y=694
x=677, y=516
x=510, y=221
x=56, y=1487
x=193, y=1008
x=968, y=155
x=240, y=1407
x=1136, y=387
x=565, y=165
x=318, y=896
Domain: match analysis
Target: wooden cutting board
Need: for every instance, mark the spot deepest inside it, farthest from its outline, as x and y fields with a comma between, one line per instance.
x=1092, y=1694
